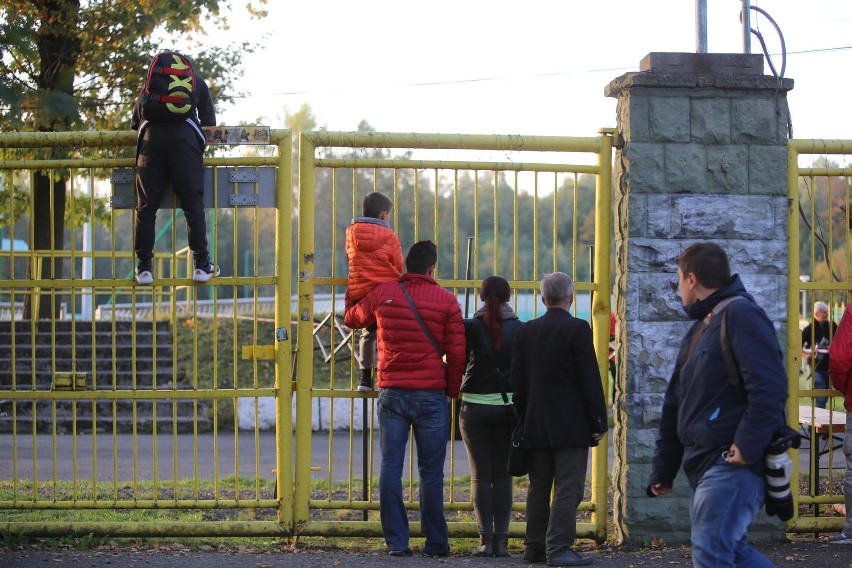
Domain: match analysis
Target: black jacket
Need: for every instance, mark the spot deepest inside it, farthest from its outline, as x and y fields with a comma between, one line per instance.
x=481, y=357
x=820, y=337
x=704, y=412
x=557, y=383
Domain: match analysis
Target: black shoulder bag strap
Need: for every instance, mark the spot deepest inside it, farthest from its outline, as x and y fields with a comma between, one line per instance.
x=728, y=356
x=421, y=322
x=487, y=343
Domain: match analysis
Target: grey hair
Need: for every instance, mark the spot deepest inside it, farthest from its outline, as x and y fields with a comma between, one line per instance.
x=556, y=288
x=820, y=307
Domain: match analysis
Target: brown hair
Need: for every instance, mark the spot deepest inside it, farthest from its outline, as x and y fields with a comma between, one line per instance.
x=495, y=291
x=708, y=262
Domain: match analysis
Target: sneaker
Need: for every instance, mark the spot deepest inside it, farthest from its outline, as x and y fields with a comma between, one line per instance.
x=406, y=552
x=205, y=273
x=366, y=385
x=841, y=538
x=439, y=554
x=534, y=556
x=144, y=276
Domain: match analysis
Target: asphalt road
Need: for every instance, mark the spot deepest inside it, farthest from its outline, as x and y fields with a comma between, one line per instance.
x=122, y=458
x=801, y=554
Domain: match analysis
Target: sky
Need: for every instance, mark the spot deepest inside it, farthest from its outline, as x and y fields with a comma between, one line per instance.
x=527, y=67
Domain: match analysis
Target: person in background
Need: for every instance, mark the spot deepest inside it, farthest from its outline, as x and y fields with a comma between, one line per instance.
x=414, y=382
x=816, y=338
x=558, y=389
x=486, y=413
x=375, y=256
x=718, y=428
x=840, y=372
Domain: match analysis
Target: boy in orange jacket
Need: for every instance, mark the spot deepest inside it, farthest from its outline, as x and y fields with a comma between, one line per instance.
x=375, y=256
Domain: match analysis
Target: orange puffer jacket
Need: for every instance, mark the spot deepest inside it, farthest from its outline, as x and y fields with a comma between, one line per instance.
x=840, y=358
x=407, y=359
x=374, y=254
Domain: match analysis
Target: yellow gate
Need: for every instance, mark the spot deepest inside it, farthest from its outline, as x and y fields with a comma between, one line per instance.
x=141, y=404
x=820, y=258
x=509, y=205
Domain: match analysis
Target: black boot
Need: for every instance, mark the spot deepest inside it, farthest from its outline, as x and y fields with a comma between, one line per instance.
x=366, y=384
x=486, y=546
x=501, y=545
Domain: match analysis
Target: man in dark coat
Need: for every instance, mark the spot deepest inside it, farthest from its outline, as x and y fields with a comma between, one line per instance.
x=558, y=389
x=714, y=426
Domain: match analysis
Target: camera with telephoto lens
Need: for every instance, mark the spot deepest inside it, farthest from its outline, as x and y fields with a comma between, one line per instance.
x=779, y=499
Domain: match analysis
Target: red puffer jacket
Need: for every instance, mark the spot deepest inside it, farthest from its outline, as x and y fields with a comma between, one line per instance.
x=374, y=253
x=840, y=358
x=407, y=359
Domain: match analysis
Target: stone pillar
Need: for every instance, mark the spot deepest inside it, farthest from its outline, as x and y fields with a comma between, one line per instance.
x=701, y=155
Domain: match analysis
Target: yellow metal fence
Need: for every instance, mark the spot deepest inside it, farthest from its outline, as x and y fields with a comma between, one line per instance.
x=820, y=257
x=124, y=399
x=511, y=205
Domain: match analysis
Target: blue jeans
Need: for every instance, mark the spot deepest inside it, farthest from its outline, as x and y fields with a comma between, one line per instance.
x=724, y=504
x=821, y=382
x=427, y=413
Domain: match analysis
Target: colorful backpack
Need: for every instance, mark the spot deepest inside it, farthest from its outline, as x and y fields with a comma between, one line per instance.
x=170, y=93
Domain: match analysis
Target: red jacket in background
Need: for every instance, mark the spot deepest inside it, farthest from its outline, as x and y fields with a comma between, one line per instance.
x=840, y=358
x=407, y=359
x=374, y=253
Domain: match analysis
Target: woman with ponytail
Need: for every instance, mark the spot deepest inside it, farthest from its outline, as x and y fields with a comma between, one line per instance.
x=486, y=410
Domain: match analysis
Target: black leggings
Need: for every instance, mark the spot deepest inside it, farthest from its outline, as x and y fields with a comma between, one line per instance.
x=485, y=429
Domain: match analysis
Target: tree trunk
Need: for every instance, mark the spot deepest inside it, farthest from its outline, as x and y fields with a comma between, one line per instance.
x=59, y=48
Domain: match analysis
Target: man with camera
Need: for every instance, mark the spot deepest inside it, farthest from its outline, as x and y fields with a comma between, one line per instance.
x=715, y=426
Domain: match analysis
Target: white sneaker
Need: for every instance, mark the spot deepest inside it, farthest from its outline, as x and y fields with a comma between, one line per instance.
x=144, y=277
x=204, y=274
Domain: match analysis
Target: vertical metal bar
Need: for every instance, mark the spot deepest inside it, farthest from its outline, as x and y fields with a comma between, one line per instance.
x=515, y=234
x=304, y=366
x=554, y=229
x=701, y=26
x=283, y=319
x=600, y=317
x=746, y=18
x=794, y=345
x=535, y=274
x=496, y=267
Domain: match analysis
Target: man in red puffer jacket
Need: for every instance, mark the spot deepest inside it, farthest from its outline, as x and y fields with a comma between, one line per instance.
x=414, y=385
x=840, y=371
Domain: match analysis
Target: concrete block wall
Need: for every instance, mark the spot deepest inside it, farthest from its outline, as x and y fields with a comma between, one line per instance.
x=701, y=155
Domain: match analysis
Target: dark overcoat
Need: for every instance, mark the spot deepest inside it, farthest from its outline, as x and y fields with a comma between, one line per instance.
x=557, y=383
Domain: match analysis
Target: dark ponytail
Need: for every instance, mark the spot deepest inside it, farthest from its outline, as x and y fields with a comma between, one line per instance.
x=495, y=291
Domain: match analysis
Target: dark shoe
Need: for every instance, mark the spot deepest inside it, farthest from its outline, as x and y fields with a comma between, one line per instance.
x=568, y=558
x=534, y=556
x=406, y=552
x=501, y=545
x=205, y=272
x=486, y=546
x=440, y=554
x=366, y=384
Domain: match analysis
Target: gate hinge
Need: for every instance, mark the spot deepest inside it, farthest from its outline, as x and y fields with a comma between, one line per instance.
x=258, y=352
